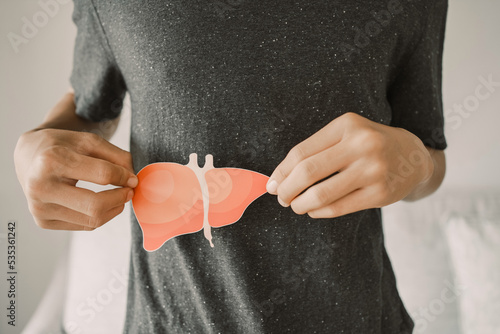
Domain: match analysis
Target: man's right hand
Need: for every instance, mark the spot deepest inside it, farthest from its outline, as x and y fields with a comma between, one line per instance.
x=49, y=163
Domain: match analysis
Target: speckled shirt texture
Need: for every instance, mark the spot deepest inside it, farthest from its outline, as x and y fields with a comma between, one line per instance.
x=246, y=81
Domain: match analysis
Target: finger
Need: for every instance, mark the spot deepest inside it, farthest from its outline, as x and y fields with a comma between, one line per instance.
x=328, y=191
x=85, y=168
x=88, y=202
x=357, y=200
x=60, y=213
x=311, y=170
x=98, y=147
x=61, y=225
x=328, y=136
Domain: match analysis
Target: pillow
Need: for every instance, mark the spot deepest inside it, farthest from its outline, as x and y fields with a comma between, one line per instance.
x=473, y=236
x=421, y=261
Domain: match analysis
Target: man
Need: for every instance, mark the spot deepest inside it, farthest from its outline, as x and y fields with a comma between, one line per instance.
x=340, y=102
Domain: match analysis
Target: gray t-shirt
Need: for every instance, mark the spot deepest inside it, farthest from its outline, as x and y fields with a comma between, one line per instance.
x=246, y=81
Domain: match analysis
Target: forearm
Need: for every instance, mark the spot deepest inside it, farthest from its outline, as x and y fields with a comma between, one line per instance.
x=432, y=184
x=63, y=116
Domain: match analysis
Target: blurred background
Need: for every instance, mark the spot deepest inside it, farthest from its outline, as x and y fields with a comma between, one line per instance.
x=445, y=249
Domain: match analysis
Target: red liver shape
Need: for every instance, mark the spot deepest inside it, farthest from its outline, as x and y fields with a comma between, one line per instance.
x=168, y=200
x=231, y=191
x=167, y=203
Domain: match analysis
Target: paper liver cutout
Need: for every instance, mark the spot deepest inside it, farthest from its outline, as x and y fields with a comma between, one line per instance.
x=173, y=199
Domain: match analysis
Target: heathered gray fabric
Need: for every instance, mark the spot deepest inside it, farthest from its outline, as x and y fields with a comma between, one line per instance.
x=246, y=81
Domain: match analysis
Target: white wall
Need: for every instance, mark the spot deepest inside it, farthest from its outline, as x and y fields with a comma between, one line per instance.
x=472, y=49
x=34, y=78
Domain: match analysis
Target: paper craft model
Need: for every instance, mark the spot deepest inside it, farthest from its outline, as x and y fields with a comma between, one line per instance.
x=173, y=199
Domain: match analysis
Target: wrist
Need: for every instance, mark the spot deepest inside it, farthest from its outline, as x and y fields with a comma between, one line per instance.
x=426, y=185
x=429, y=167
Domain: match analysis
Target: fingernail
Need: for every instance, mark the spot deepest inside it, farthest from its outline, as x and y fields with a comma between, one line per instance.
x=132, y=181
x=272, y=186
x=130, y=195
x=282, y=203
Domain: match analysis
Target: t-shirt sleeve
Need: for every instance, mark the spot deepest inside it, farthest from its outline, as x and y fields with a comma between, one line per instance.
x=96, y=79
x=416, y=94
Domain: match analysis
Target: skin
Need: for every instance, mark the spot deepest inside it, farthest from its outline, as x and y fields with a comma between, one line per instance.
x=361, y=165
x=65, y=148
